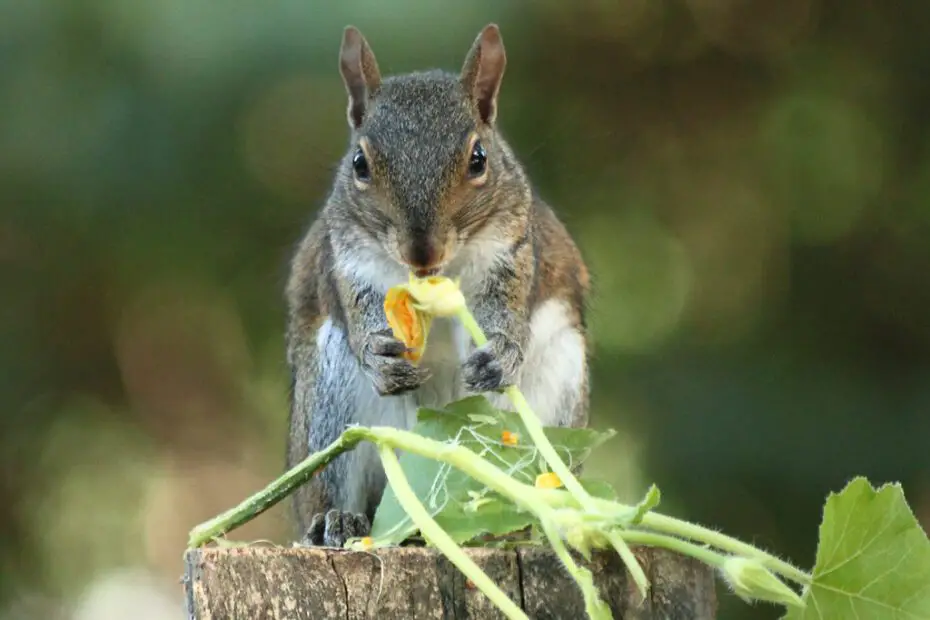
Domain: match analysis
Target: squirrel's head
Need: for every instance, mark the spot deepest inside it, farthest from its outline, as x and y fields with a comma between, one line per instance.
x=427, y=169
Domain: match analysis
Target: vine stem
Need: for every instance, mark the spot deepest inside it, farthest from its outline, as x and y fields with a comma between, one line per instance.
x=523, y=495
x=684, y=547
x=594, y=605
x=273, y=493
x=439, y=538
x=558, y=466
x=683, y=529
x=540, y=502
x=527, y=497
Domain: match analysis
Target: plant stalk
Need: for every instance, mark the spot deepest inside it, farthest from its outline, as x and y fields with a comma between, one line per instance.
x=683, y=529
x=558, y=466
x=594, y=605
x=529, y=498
x=258, y=503
x=439, y=538
x=678, y=545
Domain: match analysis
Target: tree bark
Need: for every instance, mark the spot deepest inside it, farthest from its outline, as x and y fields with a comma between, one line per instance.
x=415, y=582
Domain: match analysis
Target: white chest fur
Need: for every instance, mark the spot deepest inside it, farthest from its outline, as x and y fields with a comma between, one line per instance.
x=446, y=350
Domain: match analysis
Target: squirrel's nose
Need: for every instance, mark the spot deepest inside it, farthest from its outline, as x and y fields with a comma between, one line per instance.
x=424, y=257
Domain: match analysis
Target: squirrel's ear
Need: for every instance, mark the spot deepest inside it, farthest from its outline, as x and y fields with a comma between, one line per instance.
x=483, y=70
x=359, y=71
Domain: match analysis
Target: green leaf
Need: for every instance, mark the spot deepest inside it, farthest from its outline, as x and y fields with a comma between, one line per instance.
x=873, y=559
x=461, y=505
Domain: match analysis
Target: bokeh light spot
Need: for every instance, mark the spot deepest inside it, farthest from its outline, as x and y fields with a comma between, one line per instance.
x=639, y=265
x=825, y=161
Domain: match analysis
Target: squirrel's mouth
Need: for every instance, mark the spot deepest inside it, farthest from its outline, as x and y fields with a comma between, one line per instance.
x=425, y=273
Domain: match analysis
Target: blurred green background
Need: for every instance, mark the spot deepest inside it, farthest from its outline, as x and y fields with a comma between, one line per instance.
x=748, y=179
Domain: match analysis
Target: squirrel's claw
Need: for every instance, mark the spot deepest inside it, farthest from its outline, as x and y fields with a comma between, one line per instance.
x=385, y=344
x=389, y=371
x=493, y=366
x=482, y=372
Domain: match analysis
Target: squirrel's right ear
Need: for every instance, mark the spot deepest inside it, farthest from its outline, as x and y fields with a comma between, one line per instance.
x=359, y=71
x=483, y=71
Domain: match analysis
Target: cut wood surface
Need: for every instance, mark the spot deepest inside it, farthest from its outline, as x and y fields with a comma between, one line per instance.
x=397, y=583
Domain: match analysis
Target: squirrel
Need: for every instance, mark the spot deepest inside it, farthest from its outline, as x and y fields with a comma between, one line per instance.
x=428, y=186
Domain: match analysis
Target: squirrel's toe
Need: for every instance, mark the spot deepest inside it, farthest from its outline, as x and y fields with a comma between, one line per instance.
x=313, y=537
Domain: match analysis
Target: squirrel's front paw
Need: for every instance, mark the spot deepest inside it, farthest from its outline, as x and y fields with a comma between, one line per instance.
x=388, y=369
x=492, y=366
x=334, y=528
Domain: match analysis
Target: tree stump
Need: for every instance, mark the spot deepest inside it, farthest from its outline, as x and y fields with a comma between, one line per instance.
x=414, y=582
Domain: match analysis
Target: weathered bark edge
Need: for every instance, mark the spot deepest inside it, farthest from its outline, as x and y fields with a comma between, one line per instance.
x=414, y=582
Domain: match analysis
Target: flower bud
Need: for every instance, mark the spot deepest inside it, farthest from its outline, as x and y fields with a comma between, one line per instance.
x=752, y=581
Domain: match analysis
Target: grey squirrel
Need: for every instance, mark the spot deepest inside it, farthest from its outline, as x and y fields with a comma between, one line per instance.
x=429, y=186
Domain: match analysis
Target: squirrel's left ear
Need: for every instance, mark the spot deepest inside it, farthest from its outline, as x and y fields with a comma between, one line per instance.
x=359, y=71
x=483, y=70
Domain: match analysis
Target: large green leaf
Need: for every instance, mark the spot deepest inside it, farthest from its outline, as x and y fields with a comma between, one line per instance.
x=873, y=560
x=461, y=505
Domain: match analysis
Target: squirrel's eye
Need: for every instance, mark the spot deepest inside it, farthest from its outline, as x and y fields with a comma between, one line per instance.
x=478, y=160
x=360, y=166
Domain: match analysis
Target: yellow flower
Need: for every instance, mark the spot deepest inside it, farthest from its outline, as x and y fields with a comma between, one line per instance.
x=548, y=481
x=410, y=307
x=366, y=542
x=438, y=296
x=509, y=439
x=408, y=324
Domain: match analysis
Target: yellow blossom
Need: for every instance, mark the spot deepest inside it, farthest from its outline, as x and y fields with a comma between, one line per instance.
x=548, y=481
x=409, y=309
x=437, y=295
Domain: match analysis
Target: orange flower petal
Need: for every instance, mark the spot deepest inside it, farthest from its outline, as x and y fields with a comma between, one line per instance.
x=509, y=439
x=406, y=323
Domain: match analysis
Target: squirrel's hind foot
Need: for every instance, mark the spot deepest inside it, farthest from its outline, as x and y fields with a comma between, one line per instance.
x=334, y=528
